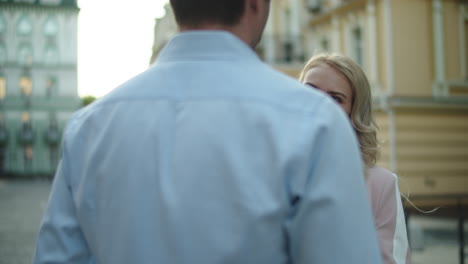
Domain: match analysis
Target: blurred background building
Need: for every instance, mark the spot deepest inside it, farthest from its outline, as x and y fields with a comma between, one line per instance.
x=38, y=82
x=415, y=54
x=165, y=27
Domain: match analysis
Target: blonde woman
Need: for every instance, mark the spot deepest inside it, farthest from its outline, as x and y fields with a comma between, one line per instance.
x=346, y=83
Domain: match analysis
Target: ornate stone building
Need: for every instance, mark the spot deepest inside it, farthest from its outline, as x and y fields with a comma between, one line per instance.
x=38, y=82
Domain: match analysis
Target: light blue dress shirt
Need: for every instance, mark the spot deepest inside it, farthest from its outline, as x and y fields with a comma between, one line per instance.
x=210, y=156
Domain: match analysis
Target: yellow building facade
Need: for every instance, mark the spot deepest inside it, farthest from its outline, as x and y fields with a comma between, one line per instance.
x=414, y=53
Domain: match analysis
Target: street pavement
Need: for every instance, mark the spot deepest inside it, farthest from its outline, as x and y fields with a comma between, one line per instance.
x=22, y=204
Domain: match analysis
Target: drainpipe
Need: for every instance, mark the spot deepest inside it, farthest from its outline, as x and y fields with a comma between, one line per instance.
x=463, y=51
x=390, y=84
x=374, y=63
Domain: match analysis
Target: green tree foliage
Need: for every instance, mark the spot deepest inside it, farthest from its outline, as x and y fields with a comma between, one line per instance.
x=86, y=100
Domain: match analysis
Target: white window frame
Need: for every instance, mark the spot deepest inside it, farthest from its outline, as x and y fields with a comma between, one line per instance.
x=319, y=35
x=310, y=42
x=354, y=23
x=335, y=35
x=28, y=22
x=51, y=23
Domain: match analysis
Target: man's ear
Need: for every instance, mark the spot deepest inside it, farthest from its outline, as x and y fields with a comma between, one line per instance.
x=253, y=5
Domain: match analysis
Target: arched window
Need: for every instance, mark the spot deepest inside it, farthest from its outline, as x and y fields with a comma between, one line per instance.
x=51, y=26
x=25, y=54
x=51, y=56
x=24, y=26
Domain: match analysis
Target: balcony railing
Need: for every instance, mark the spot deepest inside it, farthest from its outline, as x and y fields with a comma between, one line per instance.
x=281, y=49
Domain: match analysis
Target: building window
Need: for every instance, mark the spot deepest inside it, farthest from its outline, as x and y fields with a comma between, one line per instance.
x=51, y=56
x=51, y=86
x=52, y=138
x=3, y=25
x=25, y=117
x=26, y=139
x=3, y=54
x=325, y=45
x=28, y=158
x=2, y=88
x=4, y=136
x=25, y=55
x=24, y=26
x=288, y=46
x=357, y=45
x=314, y=6
x=51, y=27
x=25, y=85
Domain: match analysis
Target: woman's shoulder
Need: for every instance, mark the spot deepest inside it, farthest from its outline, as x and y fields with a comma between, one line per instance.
x=378, y=176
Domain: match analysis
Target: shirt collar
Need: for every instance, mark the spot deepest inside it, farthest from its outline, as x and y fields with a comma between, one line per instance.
x=206, y=45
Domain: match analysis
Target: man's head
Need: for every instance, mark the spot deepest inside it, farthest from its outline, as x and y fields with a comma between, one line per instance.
x=244, y=18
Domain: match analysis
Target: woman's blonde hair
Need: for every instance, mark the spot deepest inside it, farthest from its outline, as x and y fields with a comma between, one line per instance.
x=361, y=110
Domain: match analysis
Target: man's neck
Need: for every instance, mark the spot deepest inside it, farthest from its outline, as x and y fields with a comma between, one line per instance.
x=235, y=30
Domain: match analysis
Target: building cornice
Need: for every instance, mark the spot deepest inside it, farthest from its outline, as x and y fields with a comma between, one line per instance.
x=40, y=66
x=40, y=103
x=19, y=6
x=423, y=103
x=339, y=10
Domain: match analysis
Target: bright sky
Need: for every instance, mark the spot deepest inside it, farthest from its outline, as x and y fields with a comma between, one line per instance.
x=115, y=38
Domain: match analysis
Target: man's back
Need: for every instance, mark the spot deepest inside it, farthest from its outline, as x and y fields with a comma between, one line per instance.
x=208, y=157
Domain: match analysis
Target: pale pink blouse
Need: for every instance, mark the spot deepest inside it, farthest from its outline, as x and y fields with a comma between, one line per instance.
x=388, y=215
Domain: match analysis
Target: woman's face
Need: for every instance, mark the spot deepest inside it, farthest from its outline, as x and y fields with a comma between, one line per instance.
x=330, y=81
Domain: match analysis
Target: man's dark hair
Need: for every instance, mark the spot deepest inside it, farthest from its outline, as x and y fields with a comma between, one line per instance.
x=196, y=12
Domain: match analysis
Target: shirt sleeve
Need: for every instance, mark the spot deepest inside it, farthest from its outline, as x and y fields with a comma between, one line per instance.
x=60, y=239
x=390, y=223
x=331, y=221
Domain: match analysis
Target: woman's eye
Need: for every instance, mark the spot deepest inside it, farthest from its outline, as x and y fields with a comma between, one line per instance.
x=337, y=99
x=312, y=86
